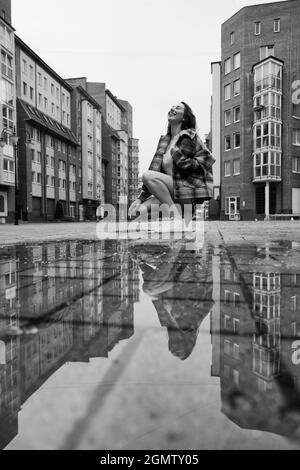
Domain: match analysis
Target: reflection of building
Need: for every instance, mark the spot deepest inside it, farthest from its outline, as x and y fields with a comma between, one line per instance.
x=260, y=131
x=80, y=301
x=8, y=113
x=258, y=328
x=133, y=170
x=49, y=169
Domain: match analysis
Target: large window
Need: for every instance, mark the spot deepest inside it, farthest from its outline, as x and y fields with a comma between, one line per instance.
x=6, y=37
x=268, y=105
x=296, y=136
x=267, y=135
x=268, y=75
x=267, y=165
x=266, y=51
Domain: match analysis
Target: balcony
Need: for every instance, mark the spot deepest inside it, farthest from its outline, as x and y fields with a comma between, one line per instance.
x=270, y=82
x=7, y=178
x=267, y=167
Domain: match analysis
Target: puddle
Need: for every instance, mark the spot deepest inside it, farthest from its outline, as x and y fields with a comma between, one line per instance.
x=86, y=326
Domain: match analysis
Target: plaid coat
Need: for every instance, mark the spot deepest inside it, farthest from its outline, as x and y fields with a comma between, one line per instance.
x=192, y=169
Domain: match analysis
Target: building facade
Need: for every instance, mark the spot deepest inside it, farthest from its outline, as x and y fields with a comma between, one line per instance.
x=49, y=169
x=260, y=113
x=133, y=170
x=8, y=114
x=87, y=126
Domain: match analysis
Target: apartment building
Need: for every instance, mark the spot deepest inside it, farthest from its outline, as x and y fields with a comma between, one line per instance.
x=256, y=87
x=87, y=126
x=8, y=114
x=49, y=167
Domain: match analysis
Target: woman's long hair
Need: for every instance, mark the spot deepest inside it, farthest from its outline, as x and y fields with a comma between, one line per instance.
x=189, y=119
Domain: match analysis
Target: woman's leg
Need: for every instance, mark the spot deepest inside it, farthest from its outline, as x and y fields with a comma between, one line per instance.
x=162, y=188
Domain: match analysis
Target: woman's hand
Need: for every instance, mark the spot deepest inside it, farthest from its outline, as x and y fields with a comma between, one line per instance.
x=134, y=208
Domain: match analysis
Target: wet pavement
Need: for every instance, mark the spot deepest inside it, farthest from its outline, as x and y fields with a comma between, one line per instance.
x=132, y=345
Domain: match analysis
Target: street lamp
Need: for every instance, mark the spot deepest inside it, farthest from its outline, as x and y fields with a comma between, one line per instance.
x=14, y=141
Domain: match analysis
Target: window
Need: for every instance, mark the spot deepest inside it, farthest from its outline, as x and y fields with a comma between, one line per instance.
x=52, y=181
x=227, y=347
x=7, y=117
x=236, y=166
x=232, y=205
x=232, y=38
x=52, y=89
x=52, y=162
x=40, y=99
x=267, y=164
x=227, y=92
x=296, y=136
x=236, y=351
x=277, y=25
x=237, y=61
x=227, y=66
x=237, y=140
x=46, y=103
x=31, y=72
x=227, y=117
x=227, y=169
x=227, y=143
x=24, y=89
x=257, y=28
x=39, y=157
x=266, y=51
x=39, y=178
x=24, y=66
x=40, y=79
x=45, y=83
x=237, y=114
x=296, y=164
x=268, y=135
x=31, y=93
x=236, y=87
x=7, y=65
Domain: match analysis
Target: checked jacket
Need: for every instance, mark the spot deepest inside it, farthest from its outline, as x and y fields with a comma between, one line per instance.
x=192, y=168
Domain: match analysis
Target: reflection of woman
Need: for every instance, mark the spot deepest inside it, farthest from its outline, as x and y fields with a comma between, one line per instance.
x=181, y=289
x=181, y=171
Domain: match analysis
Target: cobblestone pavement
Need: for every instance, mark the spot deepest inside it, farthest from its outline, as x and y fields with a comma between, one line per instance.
x=216, y=232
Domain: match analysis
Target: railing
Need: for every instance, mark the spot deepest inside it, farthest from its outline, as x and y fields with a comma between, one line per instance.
x=8, y=177
x=270, y=81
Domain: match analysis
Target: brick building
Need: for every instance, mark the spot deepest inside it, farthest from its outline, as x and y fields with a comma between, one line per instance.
x=50, y=168
x=258, y=135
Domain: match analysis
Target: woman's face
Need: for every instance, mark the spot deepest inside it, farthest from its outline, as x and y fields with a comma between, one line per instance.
x=176, y=114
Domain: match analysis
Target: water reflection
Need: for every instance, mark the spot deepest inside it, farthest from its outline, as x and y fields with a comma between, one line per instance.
x=259, y=324
x=180, y=285
x=73, y=301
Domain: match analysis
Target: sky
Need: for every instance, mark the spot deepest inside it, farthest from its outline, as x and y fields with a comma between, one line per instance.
x=152, y=53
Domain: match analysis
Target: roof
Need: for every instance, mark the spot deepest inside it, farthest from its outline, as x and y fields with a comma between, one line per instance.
x=263, y=5
x=29, y=51
x=115, y=99
x=267, y=59
x=52, y=126
x=90, y=98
